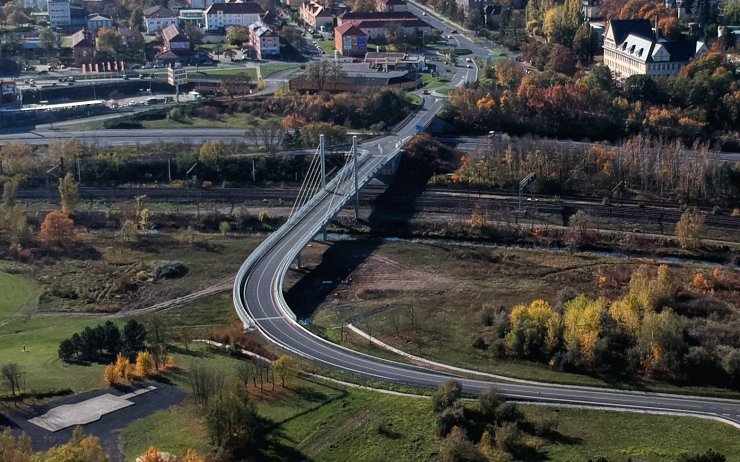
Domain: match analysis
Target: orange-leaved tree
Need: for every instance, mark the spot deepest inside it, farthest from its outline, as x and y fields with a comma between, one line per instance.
x=57, y=230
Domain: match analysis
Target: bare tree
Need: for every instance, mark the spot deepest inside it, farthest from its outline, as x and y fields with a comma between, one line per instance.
x=12, y=373
x=205, y=382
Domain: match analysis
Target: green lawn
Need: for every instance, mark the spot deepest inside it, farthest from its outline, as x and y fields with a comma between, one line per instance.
x=327, y=46
x=430, y=81
x=414, y=99
x=237, y=120
x=19, y=296
x=315, y=420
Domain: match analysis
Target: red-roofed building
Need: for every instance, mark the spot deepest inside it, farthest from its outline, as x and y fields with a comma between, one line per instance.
x=350, y=40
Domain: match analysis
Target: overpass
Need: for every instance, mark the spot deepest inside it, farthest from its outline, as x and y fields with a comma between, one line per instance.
x=260, y=304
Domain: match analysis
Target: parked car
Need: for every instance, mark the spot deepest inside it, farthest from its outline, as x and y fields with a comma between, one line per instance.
x=425, y=92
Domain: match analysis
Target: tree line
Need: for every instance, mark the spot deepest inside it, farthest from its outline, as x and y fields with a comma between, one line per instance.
x=652, y=331
x=699, y=104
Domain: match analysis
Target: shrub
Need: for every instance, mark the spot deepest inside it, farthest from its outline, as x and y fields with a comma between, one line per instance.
x=479, y=343
x=170, y=271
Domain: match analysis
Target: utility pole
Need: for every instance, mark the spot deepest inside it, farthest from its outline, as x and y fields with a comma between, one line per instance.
x=169, y=172
x=357, y=189
x=79, y=172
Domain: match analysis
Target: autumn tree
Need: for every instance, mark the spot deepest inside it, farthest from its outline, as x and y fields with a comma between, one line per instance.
x=15, y=448
x=68, y=193
x=144, y=364
x=535, y=329
x=362, y=5
x=109, y=41
x=16, y=157
x=237, y=35
x=214, y=154
x=79, y=448
x=582, y=320
x=284, y=367
x=231, y=418
x=57, y=230
x=690, y=230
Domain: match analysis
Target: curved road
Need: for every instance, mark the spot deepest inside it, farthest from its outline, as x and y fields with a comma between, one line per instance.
x=259, y=301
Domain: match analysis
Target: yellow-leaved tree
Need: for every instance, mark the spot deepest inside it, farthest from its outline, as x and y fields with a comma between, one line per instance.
x=144, y=364
x=535, y=328
x=582, y=321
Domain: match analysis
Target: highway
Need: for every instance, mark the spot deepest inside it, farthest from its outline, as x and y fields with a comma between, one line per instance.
x=259, y=301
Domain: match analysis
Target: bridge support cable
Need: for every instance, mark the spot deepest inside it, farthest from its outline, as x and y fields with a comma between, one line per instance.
x=304, y=192
x=354, y=168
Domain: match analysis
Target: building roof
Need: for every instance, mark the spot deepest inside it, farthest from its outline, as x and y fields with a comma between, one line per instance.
x=235, y=8
x=349, y=30
x=683, y=50
x=392, y=2
x=97, y=17
x=378, y=16
x=172, y=34
x=621, y=28
x=261, y=30
x=79, y=40
x=370, y=24
x=156, y=12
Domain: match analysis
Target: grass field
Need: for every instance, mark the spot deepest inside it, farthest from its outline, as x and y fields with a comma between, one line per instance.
x=238, y=120
x=327, y=46
x=313, y=420
x=429, y=81
x=445, y=287
x=22, y=326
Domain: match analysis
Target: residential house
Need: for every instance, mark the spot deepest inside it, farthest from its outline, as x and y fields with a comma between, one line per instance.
x=221, y=15
x=631, y=48
x=350, y=40
x=265, y=41
x=83, y=48
x=389, y=6
x=60, y=13
x=174, y=40
x=191, y=16
x=316, y=15
x=157, y=18
x=97, y=21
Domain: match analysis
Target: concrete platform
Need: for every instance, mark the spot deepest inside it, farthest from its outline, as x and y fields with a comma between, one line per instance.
x=84, y=412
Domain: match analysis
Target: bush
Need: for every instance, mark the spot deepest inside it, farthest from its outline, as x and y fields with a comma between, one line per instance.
x=170, y=271
x=123, y=284
x=480, y=344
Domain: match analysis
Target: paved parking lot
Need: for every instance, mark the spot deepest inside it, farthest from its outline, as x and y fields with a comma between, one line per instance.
x=107, y=426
